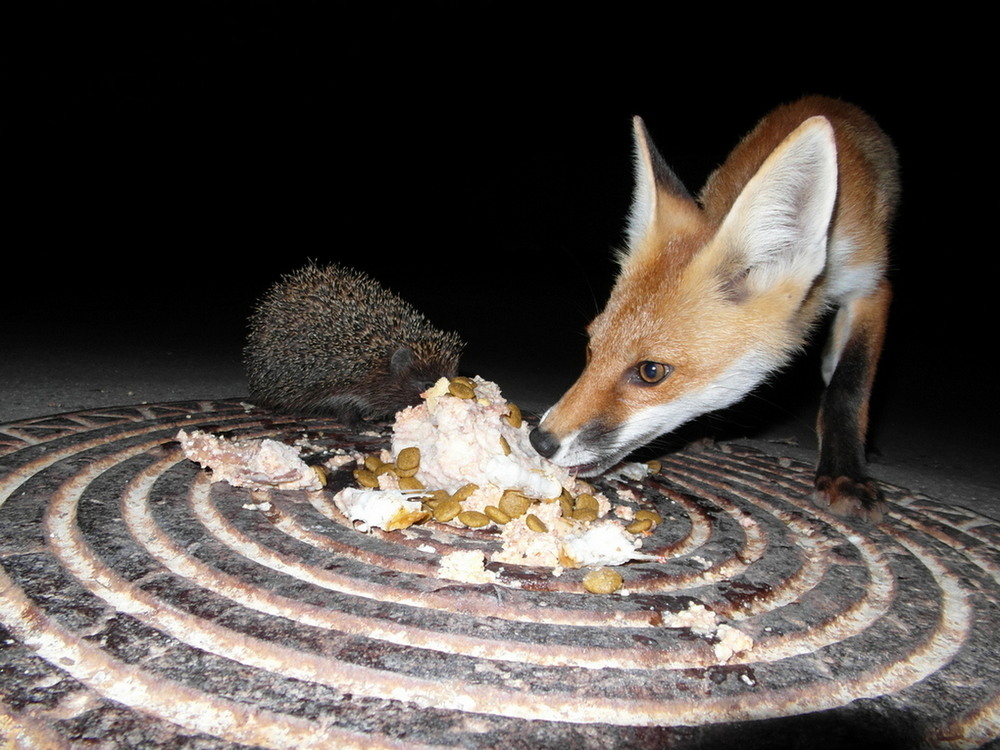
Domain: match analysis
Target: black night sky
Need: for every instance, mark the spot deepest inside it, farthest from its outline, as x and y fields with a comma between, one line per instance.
x=476, y=158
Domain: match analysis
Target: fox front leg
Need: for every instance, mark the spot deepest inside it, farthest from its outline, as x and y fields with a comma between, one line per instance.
x=842, y=481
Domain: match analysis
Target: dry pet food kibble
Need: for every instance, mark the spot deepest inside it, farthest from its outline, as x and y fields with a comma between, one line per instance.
x=602, y=581
x=461, y=389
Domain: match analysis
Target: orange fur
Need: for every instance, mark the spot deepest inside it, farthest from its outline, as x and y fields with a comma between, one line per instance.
x=725, y=289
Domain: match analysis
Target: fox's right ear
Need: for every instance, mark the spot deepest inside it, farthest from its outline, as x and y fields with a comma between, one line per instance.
x=659, y=195
x=775, y=235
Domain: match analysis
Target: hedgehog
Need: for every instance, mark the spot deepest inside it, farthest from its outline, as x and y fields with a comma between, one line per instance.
x=332, y=340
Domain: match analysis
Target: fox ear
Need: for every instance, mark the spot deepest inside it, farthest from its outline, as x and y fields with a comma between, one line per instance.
x=776, y=231
x=658, y=193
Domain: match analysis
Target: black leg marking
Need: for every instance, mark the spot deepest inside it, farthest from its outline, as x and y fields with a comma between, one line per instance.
x=842, y=481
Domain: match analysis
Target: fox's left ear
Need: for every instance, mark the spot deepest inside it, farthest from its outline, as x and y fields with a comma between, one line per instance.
x=776, y=231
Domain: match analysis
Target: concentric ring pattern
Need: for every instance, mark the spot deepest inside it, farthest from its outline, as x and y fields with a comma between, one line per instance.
x=143, y=605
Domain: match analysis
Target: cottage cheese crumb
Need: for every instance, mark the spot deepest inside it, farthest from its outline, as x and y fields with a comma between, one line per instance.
x=255, y=464
x=731, y=642
x=467, y=566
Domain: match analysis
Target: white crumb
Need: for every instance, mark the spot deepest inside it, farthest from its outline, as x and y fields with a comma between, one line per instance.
x=467, y=566
x=368, y=508
x=254, y=464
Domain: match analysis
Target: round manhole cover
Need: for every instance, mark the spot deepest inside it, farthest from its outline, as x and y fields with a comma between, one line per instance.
x=143, y=605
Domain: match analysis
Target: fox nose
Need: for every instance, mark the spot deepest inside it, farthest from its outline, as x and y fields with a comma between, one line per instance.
x=544, y=442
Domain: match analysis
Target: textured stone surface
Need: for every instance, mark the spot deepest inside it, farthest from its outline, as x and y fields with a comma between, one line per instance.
x=142, y=605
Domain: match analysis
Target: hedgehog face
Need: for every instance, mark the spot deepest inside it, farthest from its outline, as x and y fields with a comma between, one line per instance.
x=410, y=375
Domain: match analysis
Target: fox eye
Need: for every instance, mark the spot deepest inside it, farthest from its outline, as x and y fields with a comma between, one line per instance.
x=652, y=372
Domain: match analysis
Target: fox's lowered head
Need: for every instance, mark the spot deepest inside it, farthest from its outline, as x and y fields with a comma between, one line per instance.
x=711, y=296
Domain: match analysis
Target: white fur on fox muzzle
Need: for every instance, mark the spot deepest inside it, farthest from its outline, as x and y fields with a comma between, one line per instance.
x=588, y=456
x=585, y=457
x=592, y=449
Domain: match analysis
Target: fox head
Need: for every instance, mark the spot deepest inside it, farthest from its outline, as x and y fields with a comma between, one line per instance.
x=709, y=300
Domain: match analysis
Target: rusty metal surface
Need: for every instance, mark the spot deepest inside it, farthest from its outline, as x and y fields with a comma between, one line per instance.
x=142, y=605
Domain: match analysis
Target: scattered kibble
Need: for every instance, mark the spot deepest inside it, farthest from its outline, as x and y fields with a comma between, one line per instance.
x=514, y=504
x=408, y=461
x=535, y=523
x=473, y=518
x=638, y=526
x=464, y=491
x=410, y=483
x=652, y=515
x=447, y=510
x=496, y=515
x=462, y=388
x=602, y=581
x=366, y=478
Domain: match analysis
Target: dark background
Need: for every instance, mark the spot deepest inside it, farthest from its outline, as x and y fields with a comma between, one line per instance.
x=171, y=162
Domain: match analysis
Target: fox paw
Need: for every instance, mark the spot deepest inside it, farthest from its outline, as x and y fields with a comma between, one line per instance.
x=846, y=497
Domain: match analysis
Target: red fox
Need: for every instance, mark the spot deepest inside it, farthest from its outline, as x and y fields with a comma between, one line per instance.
x=715, y=294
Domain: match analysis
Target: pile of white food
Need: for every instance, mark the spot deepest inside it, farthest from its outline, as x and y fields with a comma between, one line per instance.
x=459, y=441
x=464, y=441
